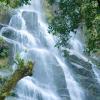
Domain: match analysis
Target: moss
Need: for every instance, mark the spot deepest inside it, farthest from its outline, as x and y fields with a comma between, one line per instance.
x=3, y=53
x=3, y=48
x=48, y=11
x=3, y=62
x=21, y=72
x=14, y=3
x=8, y=82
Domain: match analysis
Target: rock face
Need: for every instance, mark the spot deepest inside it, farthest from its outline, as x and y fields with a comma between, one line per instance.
x=85, y=76
x=96, y=60
x=60, y=82
x=16, y=22
x=8, y=33
x=6, y=16
x=31, y=20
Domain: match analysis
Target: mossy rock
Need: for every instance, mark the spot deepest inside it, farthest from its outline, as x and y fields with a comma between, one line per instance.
x=3, y=62
x=21, y=72
x=3, y=53
x=3, y=48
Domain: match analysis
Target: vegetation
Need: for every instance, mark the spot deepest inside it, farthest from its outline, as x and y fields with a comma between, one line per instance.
x=3, y=53
x=67, y=16
x=20, y=62
x=70, y=14
x=14, y=3
x=8, y=5
x=48, y=11
x=24, y=69
x=3, y=48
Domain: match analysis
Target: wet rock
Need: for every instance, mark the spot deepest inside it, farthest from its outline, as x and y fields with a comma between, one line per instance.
x=16, y=22
x=31, y=20
x=11, y=34
x=96, y=61
x=59, y=80
x=8, y=32
x=5, y=18
x=82, y=71
x=75, y=59
x=10, y=53
x=2, y=25
x=85, y=76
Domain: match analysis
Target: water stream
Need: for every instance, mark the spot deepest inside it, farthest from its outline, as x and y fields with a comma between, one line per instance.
x=52, y=78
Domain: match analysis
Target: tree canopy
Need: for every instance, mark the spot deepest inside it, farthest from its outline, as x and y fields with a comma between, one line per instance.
x=70, y=14
x=15, y=3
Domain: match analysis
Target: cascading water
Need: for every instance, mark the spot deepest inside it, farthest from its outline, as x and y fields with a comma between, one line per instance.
x=77, y=49
x=52, y=78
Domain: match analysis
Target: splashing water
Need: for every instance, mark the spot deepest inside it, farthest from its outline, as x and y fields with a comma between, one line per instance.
x=77, y=49
x=51, y=73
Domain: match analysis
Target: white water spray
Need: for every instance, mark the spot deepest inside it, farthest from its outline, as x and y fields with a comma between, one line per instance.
x=33, y=41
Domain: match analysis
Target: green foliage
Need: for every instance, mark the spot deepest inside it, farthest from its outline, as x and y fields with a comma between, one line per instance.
x=7, y=84
x=2, y=41
x=22, y=63
x=66, y=19
x=69, y=14
x=10, y=83
x=14, y=3
x=47, y=11
x=25, y=2
x=19, y=61
x=3, y=53
x=3, y=48
x=3, y=8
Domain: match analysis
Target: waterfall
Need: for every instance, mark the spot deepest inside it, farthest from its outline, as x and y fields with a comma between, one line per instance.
x=78, y=48
x=52, y=77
